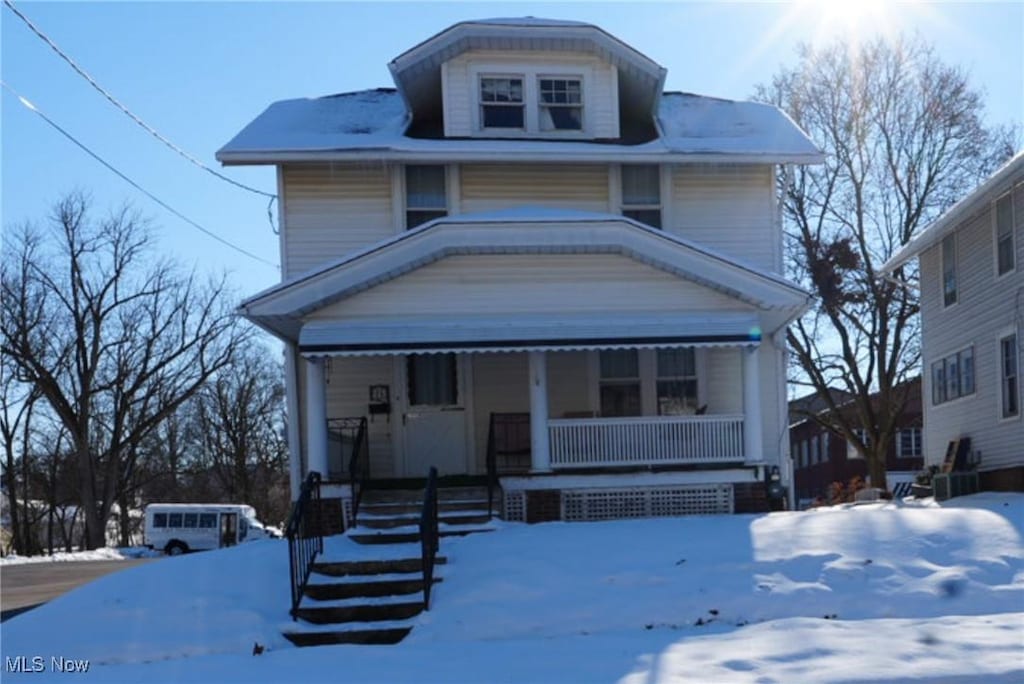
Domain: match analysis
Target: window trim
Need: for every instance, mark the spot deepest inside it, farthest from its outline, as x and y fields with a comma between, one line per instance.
x=1006, y=334
x=541, y=105
x=480, y=104
x=961, y=395
x=1008, y=195
x=624, y=206
x=952, y=238
x=404, y=175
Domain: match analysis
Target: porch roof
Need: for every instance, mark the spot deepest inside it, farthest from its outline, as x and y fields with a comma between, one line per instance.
x=528, y=332
x=286, y=309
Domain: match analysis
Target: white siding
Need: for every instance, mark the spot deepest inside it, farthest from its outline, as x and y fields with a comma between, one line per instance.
x=348, y=395
x=600, y=88
x=548, y=283
x=728, y=208
x=986, y=307
x=489, y=187
x=332, y=209
x=724, y=381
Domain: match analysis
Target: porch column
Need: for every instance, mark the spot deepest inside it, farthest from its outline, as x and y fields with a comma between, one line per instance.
x=291, y=390
x=540, y=456
x=316, y=417
x=752, y=422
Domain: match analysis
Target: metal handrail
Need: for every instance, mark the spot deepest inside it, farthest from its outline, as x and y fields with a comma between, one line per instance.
x=357, y=466
x=305, y=537
x=429, y=534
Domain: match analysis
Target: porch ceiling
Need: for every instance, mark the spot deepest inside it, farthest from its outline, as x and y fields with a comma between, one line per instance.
x=527, y=332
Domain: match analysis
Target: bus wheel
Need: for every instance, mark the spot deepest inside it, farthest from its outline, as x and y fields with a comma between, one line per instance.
x=176, y=548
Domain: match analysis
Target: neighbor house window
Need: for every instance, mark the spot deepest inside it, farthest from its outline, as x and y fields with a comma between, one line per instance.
x=908, y=443
x=953, y=376
x=433, y=379
x=620, y=383
x=949, y=270
x=677, y=382
x=1005, y=256
x=1009, y=376
x=501, y=102
x=851, y=448
x=641, y=193
x=561, y=104
x=815, y=453
x=425, y=194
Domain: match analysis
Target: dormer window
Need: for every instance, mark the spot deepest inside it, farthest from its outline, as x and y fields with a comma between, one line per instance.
x=501, y=102
x=561, y=104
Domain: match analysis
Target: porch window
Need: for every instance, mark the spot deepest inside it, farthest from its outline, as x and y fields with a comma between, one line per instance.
x=501, y=102
x=1004, y=234
x=677, y=382
x=561, y=104
x=433, y=380
x=1009, y=377
x=620, y=383
x=426, y=197
x=641, y=193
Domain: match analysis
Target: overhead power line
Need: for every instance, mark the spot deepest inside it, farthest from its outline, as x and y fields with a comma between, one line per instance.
x=31, y=107
x=114, y=101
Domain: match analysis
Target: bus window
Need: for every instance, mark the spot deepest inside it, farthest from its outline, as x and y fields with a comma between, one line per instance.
x=174, y=520
x=159, y=520
x=191, y=519
x=243, y=529
x=207, y=520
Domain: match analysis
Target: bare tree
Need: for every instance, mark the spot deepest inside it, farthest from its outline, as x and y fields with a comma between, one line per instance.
x=240, y=421
x=904, y=138
x=113, y=339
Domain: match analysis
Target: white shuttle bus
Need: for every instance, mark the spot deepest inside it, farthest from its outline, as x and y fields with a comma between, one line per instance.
x=179, y=528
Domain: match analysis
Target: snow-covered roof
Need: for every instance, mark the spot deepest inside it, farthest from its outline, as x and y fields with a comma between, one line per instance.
x=935, y=231
x=373, y=123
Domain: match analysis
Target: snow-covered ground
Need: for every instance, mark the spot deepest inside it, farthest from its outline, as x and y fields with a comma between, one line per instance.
x=868, y=593
x=104, y=554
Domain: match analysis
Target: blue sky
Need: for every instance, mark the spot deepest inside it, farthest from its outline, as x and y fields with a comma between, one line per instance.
x=199, y=72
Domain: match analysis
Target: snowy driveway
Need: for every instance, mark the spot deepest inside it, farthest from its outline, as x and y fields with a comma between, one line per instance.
x=26, y=586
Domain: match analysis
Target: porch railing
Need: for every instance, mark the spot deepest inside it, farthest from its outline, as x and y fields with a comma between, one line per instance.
x=645, y=440
x=353, y=460
x=429, y=534
x=305, y=537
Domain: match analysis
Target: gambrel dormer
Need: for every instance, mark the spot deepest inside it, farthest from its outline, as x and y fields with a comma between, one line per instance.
x=529, y=78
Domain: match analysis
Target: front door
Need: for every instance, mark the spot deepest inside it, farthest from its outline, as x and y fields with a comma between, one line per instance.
x=434, y=420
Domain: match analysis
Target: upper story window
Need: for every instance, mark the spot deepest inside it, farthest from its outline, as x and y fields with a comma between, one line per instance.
x=561, y=104
x=641, y=193
x=501, y=102
x=1005, y=256
x=949, y=290
x=426, y=196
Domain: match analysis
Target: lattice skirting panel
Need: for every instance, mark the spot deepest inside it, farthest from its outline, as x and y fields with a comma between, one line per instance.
x=515, y=506
x=645, y=502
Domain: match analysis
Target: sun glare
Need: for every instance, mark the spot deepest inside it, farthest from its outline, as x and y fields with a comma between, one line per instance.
x=851, y=20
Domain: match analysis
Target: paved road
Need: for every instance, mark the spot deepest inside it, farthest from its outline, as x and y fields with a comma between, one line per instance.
x=23, y=587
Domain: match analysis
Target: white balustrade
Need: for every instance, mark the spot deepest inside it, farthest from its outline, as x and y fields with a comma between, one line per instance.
x=645, y=440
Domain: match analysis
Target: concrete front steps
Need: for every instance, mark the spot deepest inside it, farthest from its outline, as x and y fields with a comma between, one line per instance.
x=373, y=600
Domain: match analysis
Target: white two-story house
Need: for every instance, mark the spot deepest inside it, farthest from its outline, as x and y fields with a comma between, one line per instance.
x=971, y=264
x=526, y=259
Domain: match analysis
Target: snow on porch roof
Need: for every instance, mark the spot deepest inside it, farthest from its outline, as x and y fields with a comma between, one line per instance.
x=527, y=332
x=372, y=123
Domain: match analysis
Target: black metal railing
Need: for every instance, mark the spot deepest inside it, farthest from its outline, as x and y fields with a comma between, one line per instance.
x=508, y=449
x=305, y=537
x=429, y=534
x=353, y=455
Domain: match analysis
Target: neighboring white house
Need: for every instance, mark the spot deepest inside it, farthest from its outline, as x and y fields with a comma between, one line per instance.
x=528, y=228
x=972, y=326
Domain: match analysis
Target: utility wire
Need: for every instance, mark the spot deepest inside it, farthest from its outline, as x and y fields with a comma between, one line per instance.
x=28, y=105
x=114, y=101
